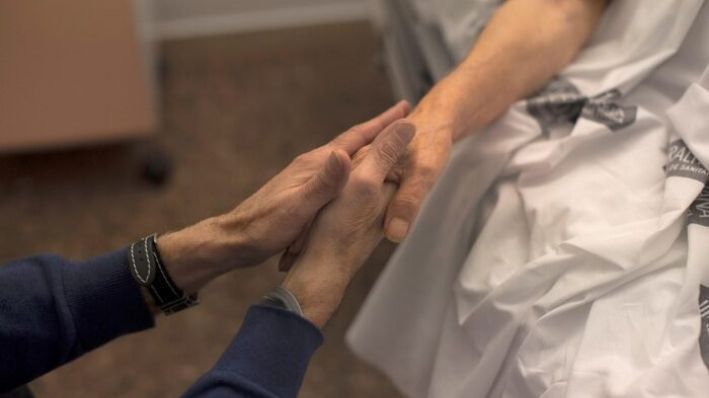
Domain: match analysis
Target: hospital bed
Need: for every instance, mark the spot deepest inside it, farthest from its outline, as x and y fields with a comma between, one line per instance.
x=416, y=55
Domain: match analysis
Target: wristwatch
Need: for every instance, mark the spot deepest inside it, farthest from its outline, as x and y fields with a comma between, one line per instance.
x=148, y=271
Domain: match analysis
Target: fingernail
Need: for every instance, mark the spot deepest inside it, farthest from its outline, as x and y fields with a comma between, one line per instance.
x=397, y=229
x=406, y=131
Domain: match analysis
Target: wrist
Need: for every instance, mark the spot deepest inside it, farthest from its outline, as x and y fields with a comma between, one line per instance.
x=434, y=122
x=235, y=236
x=318, y=300
x=449, y=109
x=201, y=252
x=318, y=286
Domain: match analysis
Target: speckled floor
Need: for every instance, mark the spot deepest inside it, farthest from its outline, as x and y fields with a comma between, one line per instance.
x=235, y=110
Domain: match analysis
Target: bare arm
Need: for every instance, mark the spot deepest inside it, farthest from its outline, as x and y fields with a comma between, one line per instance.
x=525, y=43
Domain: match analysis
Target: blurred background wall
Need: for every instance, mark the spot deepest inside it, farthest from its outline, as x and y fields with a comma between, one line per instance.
x=91, y=68
x=183, y=18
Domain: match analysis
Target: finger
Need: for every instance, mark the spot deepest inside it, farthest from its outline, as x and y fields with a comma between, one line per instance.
x=395, y=174
x=358, y=157
x=388, y=192
x=326, y=183
x=404, y=207
x=362, y=134
x=386, y=150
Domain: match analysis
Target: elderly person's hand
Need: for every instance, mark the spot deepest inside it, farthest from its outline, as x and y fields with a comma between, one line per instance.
x=427, y=157
x=348, y=229
x=273, y=217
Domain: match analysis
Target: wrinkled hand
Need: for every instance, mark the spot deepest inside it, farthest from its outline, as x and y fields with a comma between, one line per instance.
x=274, y=216
x=348, y=229
x=416, y=171
x=427, y=157
x=291, y=254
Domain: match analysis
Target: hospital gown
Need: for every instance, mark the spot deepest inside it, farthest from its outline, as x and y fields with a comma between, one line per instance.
x=564, y=252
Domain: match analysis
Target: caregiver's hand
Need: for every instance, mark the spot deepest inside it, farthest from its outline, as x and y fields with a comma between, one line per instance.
x=348, y=229
x=275, y=215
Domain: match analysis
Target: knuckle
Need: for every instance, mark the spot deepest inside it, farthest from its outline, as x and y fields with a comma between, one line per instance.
x=289, y=212
x=301, y=159
x=377, y=123
x=367, y=221
x=354, y=130
x=406, y=205
x=360, y=155
x=426, y=172
x=318, y=186
x=364, y=186
x=394, y=176
x=342, y=138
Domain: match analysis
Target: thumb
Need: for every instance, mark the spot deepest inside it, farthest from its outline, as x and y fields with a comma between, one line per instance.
x=386, y=150
x=404, y=207
x=327, y=183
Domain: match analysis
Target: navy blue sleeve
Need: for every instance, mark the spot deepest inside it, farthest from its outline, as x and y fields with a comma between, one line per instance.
x=268, y=357
x=53, y=310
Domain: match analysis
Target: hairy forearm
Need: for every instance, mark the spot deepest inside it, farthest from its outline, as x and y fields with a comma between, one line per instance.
x=198, y=254
x=525, y=43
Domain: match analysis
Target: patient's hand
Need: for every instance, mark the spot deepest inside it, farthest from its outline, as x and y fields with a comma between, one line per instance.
x=427, y=157
x=348, y=229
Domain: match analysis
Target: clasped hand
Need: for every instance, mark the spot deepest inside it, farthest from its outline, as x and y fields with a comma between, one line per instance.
x=329, y=203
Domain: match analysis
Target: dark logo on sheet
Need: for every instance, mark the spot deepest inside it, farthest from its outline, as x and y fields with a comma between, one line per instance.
x=699, y=209
x=704, y=313
x=604, y=109
x=683, y=163
x=560, y=102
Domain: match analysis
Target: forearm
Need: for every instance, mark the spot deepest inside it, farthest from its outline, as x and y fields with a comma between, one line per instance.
x=200, y=253
x=525, y=43
x=196, y=255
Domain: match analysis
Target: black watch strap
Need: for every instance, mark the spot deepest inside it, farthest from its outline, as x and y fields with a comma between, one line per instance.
x=147, y=270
